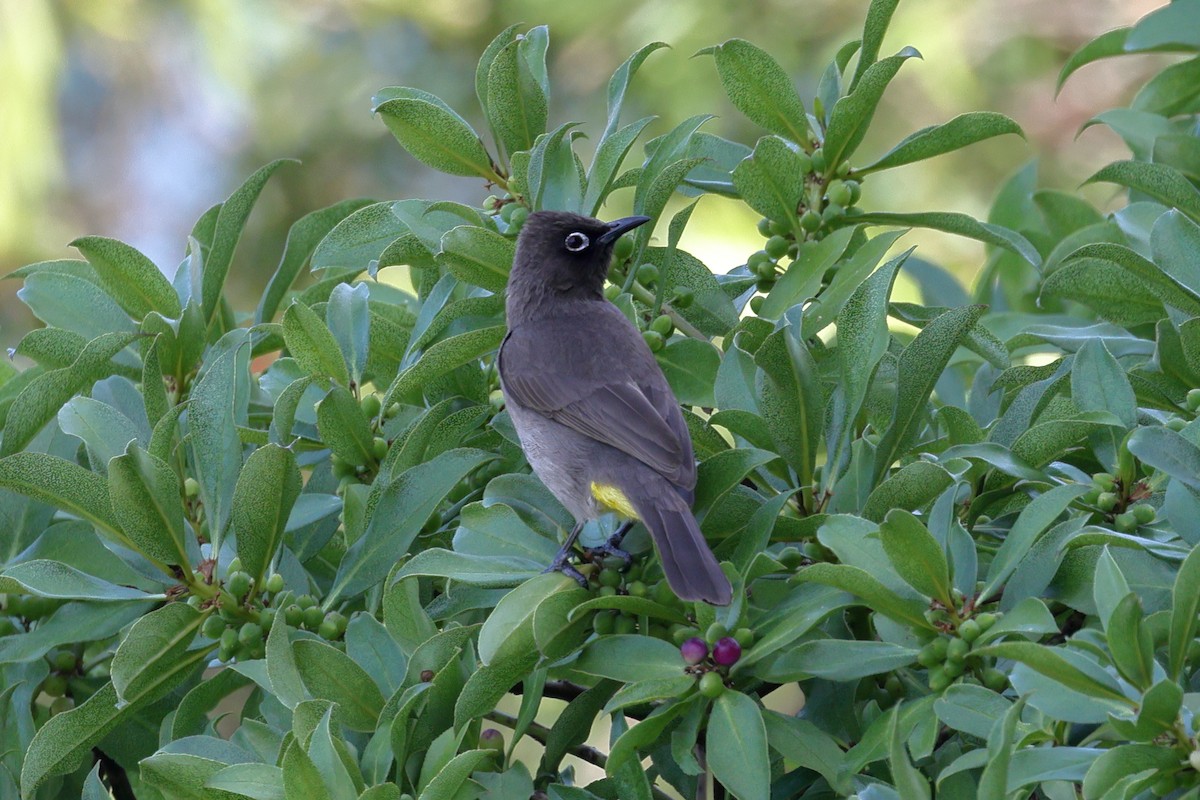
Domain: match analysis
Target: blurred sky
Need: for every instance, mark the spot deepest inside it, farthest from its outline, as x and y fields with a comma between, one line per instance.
x=128, y=118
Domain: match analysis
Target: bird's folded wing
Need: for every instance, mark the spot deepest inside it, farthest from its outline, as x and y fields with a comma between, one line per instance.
x=618, y=414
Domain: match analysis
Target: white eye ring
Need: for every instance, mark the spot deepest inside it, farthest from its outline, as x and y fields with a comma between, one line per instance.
x=577, y=241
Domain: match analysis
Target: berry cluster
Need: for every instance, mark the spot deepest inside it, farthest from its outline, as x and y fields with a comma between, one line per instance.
x=948, y=657
x=348, y=473
x=607, y=580
x=1120, y=503
x=510, y=210
x=711, y=667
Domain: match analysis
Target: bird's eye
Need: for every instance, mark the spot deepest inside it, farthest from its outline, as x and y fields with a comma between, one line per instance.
x=576, y=242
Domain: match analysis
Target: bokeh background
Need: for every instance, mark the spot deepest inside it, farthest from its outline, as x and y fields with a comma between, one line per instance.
x=128, y=118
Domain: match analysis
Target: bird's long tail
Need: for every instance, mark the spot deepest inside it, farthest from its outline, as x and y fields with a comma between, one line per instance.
x=690, y=566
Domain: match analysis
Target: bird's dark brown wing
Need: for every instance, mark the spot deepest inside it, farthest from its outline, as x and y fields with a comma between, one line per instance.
x=605, y=388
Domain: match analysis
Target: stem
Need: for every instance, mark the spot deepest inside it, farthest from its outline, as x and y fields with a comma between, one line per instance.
x=643, y=294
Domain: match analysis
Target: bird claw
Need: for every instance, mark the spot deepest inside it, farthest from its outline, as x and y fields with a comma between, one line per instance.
x=612, y=547
x=562, y=563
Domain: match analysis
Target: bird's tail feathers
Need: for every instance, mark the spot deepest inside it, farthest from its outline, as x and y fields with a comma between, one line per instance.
x=691, y=568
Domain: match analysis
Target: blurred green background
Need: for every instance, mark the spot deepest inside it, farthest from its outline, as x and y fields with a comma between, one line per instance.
x=129, y=119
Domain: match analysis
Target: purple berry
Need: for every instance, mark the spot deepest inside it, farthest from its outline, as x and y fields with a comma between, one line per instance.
x=694, y=650
x=726, y=651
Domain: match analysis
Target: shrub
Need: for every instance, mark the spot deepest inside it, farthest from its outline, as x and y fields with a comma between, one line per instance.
x=966, y=539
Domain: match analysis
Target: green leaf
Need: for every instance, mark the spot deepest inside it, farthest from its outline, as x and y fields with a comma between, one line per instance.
x=40, y=400
x=910, y=783
x=1125, y=760
x=442, y=357
x=1168, y=451
x=879, y=15
x=230, y=221
x=359, y=238
x=1033, y=520
x=711, y=310
x=216, y=407
x=759, y=88
x=263, y=498
x=46, y=578
x=156, y=644
x=850, y=275
x=971, y=709
x=1151, y=277
x=349, y=320
x=492, y=572
x=303, y=238
x=736, y=746
x=130, y=277
x=1111, y=291
x=286, y=683
x=1044, y=660
x=963, y=130
x=312, y=345
x=851, y=116
x=993, y=783
x=953, y=222
x=630, y=658
x=912, y=487
x=330, y=674
x=1105, y=45
x=916, y=555
x=61, y=745
x=1098, y=383
x=65, y=485
x=609, y=156
x=396, y=515
x=147, y=501
x=456, y=775
x=771, y=179
x=690, y=366
x=105, y=431
x=803, y=276
x=790, y=399
x=477, y=256
x=516, y=102
x=1185, y=604
x=257, y=781
x=1164, y=183
x=866, y=587
x=1171, y=26
x=1130, y=643
x=434, y=134
x=56, y=299
x=919, y=367
x=838, y=660
x=1173, y=91
x=804, y=744
x=344, y=427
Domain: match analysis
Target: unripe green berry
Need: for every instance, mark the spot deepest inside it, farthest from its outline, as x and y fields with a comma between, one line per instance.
x=970, y=630
x=765, y=270
x=756, y=303
x=313, y=617
x=663, y=324
x=994, y=679
x=683, y=297
x=953, y=669
x=1144, y=513
x=379, y=448
x=370, y=405
x=810, y=220
x=604, y=622
x=957, y=650
x=744, y=637
x=1107, y=501
x=938, y=679
x=843, y=169
x=791, y=557
x=647, y=274
x=250, y=633
x=779, y=228
x=926, y=656
x=838, y=193
x=818, y=160
x=275, y=583
x=238, y=584
x=491, y=739
x=64, y=661
x=293, y=615
x=55, y=685
x=191, y=487
x=518, y=216
x=213, y=627
x=832, y=212
x=804, y=163
x=305, y=601
x=940, y=647
x=623, y=249
x=327, y=630
x=229, y=639
x=756, y=258
x=1193, y=400
x=612, y=292
x=607, y=591
x=636, y=589
x=1103, y=481
x=776, y=247
x=986, y=620
x=765, y=285
x=716, y=631
x=1125, y=522
x=625, y=625
x=712, y=685
x=654, y=340
x=1176, y=424
x=855, y=193
x=764, y=227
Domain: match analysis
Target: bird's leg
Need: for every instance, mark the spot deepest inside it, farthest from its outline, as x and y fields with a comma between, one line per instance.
x=562, y=561
x=612, y=547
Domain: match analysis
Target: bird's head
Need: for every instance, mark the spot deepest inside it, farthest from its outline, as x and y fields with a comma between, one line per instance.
x=568, y=252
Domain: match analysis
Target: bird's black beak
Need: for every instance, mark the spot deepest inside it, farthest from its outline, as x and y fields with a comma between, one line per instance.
x=620, y=226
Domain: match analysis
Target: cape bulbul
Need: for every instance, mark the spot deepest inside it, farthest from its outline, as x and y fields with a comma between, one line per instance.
x=595, y=415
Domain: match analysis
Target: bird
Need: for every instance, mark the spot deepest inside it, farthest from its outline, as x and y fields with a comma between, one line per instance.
x=596, y=418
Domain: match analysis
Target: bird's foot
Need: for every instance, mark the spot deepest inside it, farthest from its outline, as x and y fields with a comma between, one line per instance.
x=612, y=547
x=562, y=559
